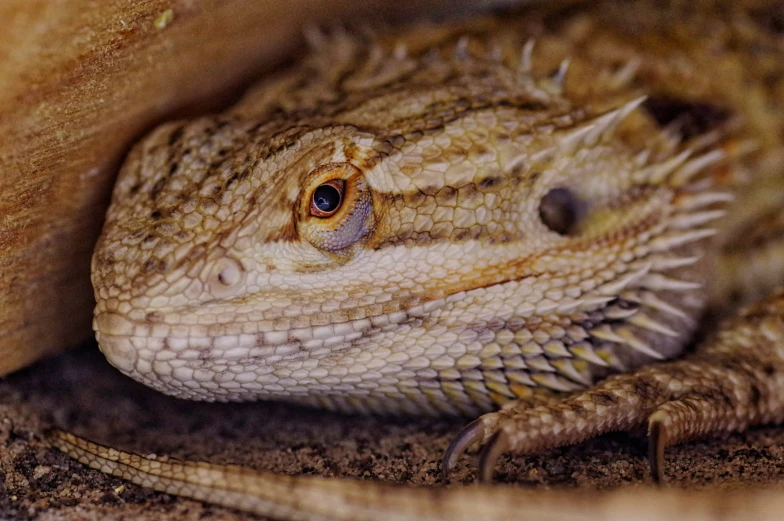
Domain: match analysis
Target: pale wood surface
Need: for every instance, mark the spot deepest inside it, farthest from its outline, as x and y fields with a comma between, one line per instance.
x=79, y=81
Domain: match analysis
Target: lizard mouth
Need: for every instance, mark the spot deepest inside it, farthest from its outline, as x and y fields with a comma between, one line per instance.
x=113, y=324
x=119, y=351
x=114, y=333
x=184, y=360
x=355, y=358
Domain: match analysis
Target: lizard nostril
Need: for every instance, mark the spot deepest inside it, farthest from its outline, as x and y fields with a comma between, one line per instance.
x=226, y=276
x=229, y=276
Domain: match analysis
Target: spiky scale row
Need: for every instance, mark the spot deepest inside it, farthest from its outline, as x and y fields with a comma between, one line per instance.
x=624, y=402
x=735, y=380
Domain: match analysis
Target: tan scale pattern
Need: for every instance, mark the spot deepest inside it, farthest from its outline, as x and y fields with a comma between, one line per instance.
x=442, y=284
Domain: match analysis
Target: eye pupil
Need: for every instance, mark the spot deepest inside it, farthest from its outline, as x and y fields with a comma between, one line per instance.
x=326, y=200
x=561, y=210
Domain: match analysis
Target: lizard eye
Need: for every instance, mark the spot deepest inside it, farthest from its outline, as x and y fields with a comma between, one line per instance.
x=561, y=210
x=327, y=198
x=338, y=211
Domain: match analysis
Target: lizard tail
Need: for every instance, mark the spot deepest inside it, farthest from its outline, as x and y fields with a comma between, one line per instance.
x=311, y=498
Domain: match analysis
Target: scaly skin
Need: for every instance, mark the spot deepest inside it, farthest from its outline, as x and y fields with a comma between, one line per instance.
x=510, y=230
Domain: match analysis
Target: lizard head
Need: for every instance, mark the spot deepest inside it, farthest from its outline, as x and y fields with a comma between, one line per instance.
x=443, y=247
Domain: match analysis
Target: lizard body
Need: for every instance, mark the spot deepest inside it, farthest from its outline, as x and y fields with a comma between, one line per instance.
x=451, y=219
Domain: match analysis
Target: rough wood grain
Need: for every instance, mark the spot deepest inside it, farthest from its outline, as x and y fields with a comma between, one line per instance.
x=79, y=81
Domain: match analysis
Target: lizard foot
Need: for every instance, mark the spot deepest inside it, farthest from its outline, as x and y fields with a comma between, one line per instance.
x=733, y=381
x=481, y=429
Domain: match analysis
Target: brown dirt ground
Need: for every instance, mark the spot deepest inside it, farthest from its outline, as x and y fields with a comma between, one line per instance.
x=80, y=391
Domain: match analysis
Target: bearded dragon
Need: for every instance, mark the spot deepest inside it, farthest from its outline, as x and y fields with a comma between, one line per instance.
x=535, y=212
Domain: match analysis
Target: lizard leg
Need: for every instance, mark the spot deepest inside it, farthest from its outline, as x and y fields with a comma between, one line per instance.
x=687, y=418
x=734, y=380
x=475, y=431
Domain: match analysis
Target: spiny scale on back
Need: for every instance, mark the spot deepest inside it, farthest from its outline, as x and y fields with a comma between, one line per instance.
x=508, y=221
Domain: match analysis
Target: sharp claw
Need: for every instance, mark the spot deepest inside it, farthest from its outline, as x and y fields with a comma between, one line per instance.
x=471, y=433
x=496, y=445
x=657, y=440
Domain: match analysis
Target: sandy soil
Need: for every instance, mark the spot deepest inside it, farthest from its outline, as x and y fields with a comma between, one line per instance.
x=81, y=392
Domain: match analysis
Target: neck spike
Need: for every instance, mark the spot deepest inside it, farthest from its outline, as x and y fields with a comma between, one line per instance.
x=591, y=132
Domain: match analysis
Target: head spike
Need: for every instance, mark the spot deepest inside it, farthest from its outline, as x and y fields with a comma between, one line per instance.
x=591, y=132
x=606, y=333
x=695, y=166
x=708, y=140
x=607, y=123
x=543, y=155
x=566, y=367
x=657, y=174
x=670, y=263
x=650, y=300
x=700, y=200
x=692, y=220
x=526, y=59
x=643, y=321
x=641, y=159
x=638, y=345
x=540, y=363
x=592, y=303
x=613, y=288
x=569, y=305
x=615, y=312
x=585, y=351
x=673, y=240
x=496, y=52
x=555, y=382
x=624, y=336
x=401, y=51
x=315, y=36
x=626, y=74
x=742, y=147
x=574, y=140
x=461, y=48
x=658, y=282
x=559, y=78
